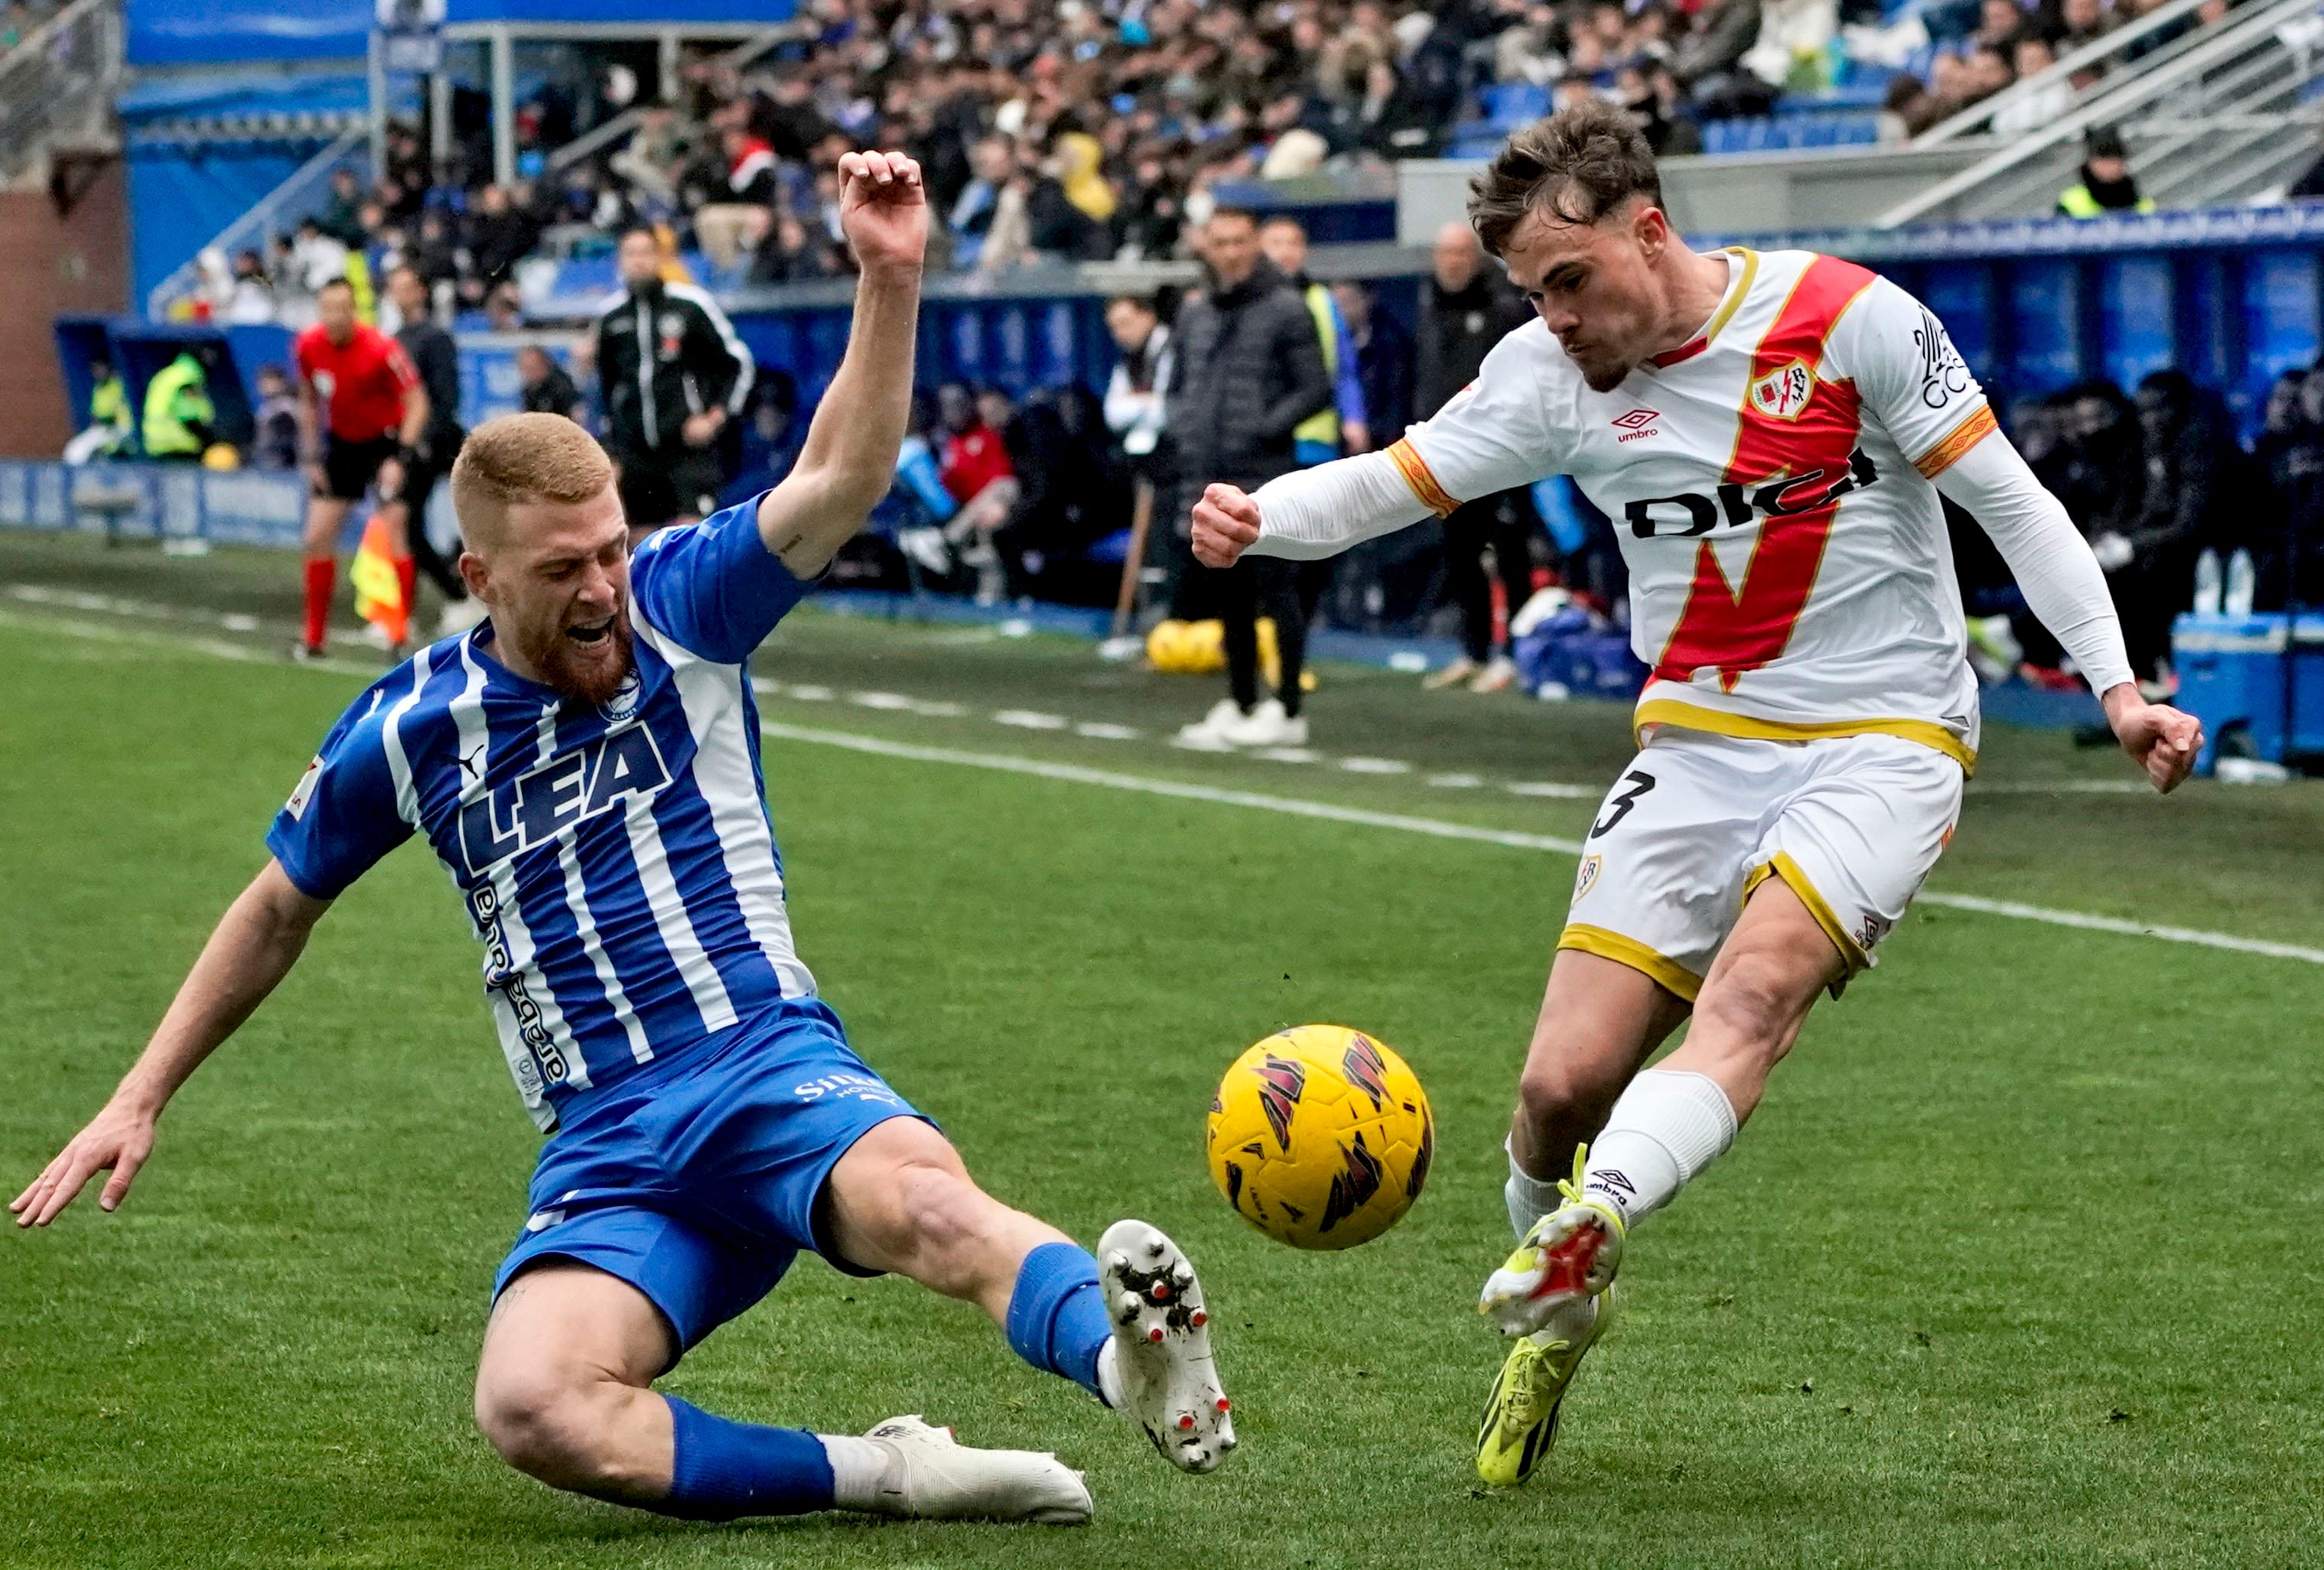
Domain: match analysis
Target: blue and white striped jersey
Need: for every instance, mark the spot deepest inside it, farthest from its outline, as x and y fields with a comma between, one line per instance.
x=618, y=862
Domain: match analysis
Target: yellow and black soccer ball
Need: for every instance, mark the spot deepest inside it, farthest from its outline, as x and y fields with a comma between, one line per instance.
x=1321, y=1137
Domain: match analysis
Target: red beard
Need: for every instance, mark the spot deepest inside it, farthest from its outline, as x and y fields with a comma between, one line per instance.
x=582, y=672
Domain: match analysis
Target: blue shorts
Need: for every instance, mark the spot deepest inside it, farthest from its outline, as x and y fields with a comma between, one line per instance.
x=698, y=1179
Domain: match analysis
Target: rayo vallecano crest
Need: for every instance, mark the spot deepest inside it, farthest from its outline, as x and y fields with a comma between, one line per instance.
x=1783, y=392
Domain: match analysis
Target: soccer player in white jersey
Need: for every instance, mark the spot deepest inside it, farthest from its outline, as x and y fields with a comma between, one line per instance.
x=1772, y=435
x=586, y=766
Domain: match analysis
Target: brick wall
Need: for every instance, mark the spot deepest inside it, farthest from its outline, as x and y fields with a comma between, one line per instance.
x=50, y=265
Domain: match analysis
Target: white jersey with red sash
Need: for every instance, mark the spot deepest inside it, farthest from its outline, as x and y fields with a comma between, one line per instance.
x=1771, y=486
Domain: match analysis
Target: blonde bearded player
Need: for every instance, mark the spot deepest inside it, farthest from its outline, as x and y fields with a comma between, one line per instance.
x=1771, y=435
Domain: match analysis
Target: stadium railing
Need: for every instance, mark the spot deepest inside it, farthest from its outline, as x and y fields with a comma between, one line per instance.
x=277, y=213
x=2217, y=113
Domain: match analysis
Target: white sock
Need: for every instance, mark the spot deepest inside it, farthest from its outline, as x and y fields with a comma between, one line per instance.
x=1530, y=1198
x=857, y=1467
x=1668, y=1126
x=1109, y=1373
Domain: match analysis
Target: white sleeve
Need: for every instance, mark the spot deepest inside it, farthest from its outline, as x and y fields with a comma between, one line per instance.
x=2051, y=561
x=1493, y=436
x=1309, y=514
x=1913, y=381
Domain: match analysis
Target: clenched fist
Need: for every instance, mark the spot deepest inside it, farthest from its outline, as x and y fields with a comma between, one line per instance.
x=1226, y=525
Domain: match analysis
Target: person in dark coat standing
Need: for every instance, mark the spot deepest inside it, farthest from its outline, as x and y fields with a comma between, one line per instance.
x=1466, y=309
x=2196, y=495
x=1248, y=369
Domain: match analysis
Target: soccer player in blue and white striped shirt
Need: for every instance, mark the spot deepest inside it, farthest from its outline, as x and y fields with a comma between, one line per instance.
x=586, y=766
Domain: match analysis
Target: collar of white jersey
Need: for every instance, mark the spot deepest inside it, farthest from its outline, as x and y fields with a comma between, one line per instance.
x=1742, y=267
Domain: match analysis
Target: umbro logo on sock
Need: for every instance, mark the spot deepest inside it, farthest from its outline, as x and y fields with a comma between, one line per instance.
x=1612, y=1181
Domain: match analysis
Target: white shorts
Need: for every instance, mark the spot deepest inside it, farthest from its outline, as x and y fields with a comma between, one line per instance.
x=1852, y=823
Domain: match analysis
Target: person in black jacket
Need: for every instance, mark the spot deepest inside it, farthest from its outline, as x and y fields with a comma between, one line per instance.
x=1248, y=369
x=2195, y=496
x=438, y=360
x=672, y=378
x=545, y=387
x=1465, y=309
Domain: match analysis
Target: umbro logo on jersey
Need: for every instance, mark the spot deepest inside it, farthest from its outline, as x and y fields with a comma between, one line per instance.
x=1637, y=423
x=534, y=808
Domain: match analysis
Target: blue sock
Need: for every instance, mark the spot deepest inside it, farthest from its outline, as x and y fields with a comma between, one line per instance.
x=722, y=1469
x=1057, y=1313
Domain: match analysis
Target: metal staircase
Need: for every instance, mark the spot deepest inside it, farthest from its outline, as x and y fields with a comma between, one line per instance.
x=2219, y=113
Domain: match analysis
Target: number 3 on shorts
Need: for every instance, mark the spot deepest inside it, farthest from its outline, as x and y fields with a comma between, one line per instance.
x=1641, y=782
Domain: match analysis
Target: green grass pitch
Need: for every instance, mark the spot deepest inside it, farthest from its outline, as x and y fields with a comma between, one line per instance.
x=2018, y=1264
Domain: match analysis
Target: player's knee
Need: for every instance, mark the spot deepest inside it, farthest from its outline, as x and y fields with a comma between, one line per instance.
x=547, y=1423
x=1559, y=1088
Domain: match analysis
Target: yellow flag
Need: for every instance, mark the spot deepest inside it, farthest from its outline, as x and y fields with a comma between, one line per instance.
x=378, y=593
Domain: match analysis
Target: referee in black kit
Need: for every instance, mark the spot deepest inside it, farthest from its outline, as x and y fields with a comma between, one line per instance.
x=674, y=380
x=438, y=360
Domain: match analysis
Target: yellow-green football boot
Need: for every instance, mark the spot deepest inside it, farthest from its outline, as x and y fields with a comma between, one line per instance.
x=1520, y=1417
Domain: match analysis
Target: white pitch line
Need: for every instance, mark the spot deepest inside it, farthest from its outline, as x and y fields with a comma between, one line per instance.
x=1074, y=774
x=1030, y=719
x=1293, y=807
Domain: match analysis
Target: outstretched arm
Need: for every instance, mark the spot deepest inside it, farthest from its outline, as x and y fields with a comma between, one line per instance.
x=2061, y=582
x=255, y=944
x=1493, y=436
x=849, y=458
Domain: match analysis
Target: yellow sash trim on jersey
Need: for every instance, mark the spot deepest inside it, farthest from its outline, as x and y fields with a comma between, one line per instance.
x=1734, y=302
x=1974, y=428
x=1857, y=957
x=1748, y=727
x=1421, y=478
x=1658, y=968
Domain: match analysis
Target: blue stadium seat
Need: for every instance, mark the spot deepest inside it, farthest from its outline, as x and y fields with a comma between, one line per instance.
x=1509, y=104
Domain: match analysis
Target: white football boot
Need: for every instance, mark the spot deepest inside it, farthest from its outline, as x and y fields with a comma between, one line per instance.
x=1163, y=1344
x=1267, y=725
x=933, y=1477
x=1212, y=732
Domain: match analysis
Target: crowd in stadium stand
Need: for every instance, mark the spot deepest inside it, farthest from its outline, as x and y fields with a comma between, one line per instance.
x=1074, y=131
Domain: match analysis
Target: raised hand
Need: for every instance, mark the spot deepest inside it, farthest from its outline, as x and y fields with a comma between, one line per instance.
x=1226, y=525
x=883, y=210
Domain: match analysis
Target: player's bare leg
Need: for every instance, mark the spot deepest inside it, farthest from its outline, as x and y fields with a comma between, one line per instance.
x=326, y=515
x=1132, y=1331
x=564, y=1391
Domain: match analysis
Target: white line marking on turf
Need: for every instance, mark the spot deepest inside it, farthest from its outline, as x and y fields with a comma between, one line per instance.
x=1456, y=782
x=1563, y=793
x=1099, y=731
x=881, y=700
x=1029, y=720
x=1074, y=774
x=1375, y=766
x=1290, y=754
x=2058, y=787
